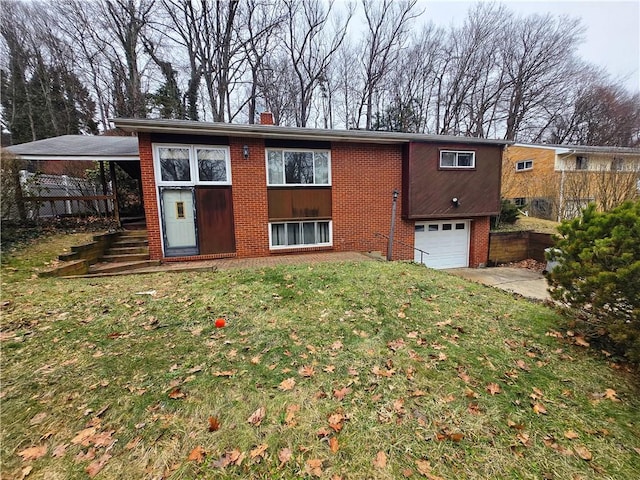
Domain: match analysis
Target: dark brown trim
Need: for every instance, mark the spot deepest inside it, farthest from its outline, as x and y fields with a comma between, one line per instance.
x=188, y=139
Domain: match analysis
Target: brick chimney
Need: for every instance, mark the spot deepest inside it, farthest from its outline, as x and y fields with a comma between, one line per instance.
x=266, y=118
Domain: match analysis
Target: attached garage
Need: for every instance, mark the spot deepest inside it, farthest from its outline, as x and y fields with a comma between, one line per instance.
x=446, y=242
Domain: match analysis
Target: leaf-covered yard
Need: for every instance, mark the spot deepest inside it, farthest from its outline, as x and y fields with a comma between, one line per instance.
x=353, y=370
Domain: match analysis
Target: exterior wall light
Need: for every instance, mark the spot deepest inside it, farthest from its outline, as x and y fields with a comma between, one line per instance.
x=455, y=201
x=245, y=151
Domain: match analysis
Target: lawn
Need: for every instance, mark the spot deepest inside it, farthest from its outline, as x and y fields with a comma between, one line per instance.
x=354, y=370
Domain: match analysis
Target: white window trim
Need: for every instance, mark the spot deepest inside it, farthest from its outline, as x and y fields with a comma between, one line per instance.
x=297, y=150
x=193, y=164
x=458, y=167
x=524, y=165
x=307, y=245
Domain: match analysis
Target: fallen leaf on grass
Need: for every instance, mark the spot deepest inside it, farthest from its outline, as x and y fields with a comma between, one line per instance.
x=214, y=424
x=233, y=457
x=259, y=451
x=340, y=394
x=329, y=368
x=25, y=472
x=38, y=418
x=522, y=365
x=33, y=453
x=333, y=444
x=381, y=460
x=284, y=455
x=381, y=372
x=289, y=416
x=335, y=421
x=256, y=417
x=539, y=408
x=176, y=394
x=313, y=467
x=571, y=435
x=102, y=439
x=94, y=467
x=197, y=455
x=133, y=443
x=82, y=436
x=611, y=395
x=287, y=384
x=424, y=468
x=583, y=452
x=60, y=450
x=84, y=456
x=493, y=388
x=306, y=371
x=581, y=342
x=226, y=373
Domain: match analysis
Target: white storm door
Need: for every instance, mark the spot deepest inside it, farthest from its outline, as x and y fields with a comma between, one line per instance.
x=178, y=218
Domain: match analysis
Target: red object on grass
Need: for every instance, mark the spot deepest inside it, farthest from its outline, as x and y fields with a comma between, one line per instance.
x=220, y=322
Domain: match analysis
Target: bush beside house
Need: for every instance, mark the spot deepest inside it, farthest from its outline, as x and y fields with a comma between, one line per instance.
x=599, y=274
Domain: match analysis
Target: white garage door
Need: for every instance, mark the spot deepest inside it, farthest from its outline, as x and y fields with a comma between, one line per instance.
x=446, y=242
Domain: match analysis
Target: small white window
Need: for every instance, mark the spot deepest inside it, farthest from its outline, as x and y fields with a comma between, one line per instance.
x=457, y=159
x=524, y=165
x=581, y=163
x=433, y=228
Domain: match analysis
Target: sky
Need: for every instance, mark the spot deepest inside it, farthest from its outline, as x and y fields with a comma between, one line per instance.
x=612, y=36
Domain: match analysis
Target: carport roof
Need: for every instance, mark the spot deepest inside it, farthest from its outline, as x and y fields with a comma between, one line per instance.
x=79, y=147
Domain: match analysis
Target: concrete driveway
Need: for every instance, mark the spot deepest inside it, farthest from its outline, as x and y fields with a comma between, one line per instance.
x=524, y=282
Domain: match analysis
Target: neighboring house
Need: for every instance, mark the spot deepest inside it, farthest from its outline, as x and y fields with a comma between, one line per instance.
x=215, y=190
x=558, y=181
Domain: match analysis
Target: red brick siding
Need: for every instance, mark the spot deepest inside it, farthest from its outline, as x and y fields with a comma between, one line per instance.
x=363, y=177
x=249, y=190
x=149, y=194
x=479, y=242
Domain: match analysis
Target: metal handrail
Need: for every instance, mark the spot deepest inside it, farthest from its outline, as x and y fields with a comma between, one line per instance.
x=422, y=252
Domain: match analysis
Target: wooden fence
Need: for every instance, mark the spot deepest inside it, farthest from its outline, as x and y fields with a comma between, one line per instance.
x=506, y=247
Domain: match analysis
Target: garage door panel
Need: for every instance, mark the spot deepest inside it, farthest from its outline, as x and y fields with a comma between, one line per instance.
x=446, y=242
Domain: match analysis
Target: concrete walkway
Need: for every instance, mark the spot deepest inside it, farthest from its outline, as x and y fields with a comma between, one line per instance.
x=524, y=282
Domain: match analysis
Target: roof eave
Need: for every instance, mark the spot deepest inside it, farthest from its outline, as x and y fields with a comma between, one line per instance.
x=290, y=133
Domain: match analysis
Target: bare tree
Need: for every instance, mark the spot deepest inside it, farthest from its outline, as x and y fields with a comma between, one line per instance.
x=310, y=48
x=388, y=23
x=538, y=55
x=262, y=20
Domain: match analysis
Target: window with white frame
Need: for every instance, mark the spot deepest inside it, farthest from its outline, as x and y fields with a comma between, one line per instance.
x=300, y=234
x=524, y=165
x=581, y=163
x=192, y=164
x=457, y=159
x=298, y=167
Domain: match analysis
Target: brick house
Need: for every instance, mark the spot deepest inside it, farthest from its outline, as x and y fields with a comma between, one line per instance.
x=558, y=181
x=214, y=190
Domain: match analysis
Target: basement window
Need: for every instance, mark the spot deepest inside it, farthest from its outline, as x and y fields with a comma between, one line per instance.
x=300, y=234
x=524, y=165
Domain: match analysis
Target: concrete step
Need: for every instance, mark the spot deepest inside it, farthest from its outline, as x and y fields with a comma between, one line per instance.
x=120, y=250
x=125, y=257
x=100, y=268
